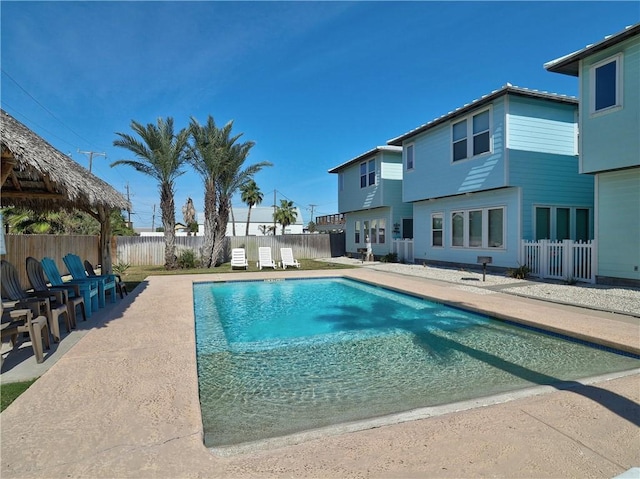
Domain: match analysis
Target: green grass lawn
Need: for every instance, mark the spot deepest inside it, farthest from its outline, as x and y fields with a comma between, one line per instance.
x=134, y=275
x=9, y=392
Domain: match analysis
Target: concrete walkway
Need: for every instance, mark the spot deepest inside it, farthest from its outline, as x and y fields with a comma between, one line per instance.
x=123, y=402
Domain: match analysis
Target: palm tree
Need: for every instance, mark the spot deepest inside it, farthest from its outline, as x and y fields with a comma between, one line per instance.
x=218, y=159
x=285, y=214
x=189, y=215
x=251, y=196
x=160, y=154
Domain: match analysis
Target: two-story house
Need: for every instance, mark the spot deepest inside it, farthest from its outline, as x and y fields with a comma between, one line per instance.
x=609, y=78
x=370, y=198
x=498, y=170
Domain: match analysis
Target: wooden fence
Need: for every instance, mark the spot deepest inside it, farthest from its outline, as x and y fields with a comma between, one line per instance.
x=149, y=250
x=19, y=247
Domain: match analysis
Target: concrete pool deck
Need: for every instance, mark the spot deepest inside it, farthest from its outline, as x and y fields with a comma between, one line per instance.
x=123, y=402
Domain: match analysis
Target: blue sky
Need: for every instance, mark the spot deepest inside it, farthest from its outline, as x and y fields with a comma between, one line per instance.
x=314, y=84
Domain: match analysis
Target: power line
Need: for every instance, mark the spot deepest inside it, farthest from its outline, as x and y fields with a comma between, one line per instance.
x=44, y=107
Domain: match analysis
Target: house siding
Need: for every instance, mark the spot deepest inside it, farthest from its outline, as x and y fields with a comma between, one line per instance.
x=545, y=127
x=386, y=191
x=509, y=198
x=549, y=180
x=618, y=205
x=611, y=140
x=435, y=174
x=378, y=249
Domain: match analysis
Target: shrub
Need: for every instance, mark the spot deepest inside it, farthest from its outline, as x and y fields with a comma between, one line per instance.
x=389, y=258
x=187, y=259
x=121, y=268
x=520, y=272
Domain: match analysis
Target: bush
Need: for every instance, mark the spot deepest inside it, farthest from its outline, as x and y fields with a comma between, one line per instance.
x=389, y=258
x=520, y=272
x=187, y=259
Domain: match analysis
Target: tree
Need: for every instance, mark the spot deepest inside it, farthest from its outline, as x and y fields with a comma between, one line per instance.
x=251, y=196
x=218, y=158
x=311, y=227
x=160, y=154
x=285, y=214
x=189, y=215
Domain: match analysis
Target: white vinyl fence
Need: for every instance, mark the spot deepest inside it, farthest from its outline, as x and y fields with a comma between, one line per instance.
x=404, y=249
x=564, y=260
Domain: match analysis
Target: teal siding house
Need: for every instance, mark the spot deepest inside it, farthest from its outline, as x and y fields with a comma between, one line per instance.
x=498, y=170
x=609, y=78
x=370, y=198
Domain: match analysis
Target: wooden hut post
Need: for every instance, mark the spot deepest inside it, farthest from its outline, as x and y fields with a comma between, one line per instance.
x=105, y=239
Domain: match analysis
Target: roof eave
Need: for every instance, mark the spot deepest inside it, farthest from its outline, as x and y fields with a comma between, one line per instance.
x=374, y=151
x=570, y=64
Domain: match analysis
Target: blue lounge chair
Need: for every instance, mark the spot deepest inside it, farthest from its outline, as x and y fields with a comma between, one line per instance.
x=88, y=288
x=105, y=282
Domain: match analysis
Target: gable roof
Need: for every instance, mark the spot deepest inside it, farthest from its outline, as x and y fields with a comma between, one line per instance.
x=261, y=215
x=377, y=149
x=36, y=175
x=570, y=64
x=508, y=89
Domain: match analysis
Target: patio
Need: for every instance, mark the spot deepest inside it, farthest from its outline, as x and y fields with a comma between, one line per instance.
x=123, y=402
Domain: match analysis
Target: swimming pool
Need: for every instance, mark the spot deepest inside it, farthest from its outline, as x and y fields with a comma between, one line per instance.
x=280, y=357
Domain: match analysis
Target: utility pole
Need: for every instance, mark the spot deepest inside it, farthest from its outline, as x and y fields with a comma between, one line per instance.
x=91, y=154
x=274, y=212
x=312, y=208
x=153, y=220
x=128, y=207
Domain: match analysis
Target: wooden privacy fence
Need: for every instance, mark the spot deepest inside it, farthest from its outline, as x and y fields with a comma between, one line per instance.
x=149, y=250
x=564, y=260
x=19, y=247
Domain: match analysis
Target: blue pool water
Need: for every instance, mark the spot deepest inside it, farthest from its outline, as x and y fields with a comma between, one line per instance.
x=275, y=358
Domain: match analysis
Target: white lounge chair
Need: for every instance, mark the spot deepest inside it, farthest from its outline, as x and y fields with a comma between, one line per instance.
x=264, y=258
x=239, y=258
x=287, y=258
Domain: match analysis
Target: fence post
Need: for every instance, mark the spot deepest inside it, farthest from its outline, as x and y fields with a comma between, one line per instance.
x=544, y=258
x=567, y=259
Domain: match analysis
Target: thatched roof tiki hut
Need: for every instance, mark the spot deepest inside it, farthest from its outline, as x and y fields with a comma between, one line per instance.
x=35, y=175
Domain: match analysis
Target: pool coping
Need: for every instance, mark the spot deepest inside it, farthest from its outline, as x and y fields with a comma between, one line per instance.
x=123, y=402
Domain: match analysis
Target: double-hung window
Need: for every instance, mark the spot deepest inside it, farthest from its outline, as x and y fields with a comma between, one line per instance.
x=606, y=85
x=471, y=136
x=356, y=231
x=409, y=157
x=436, y=229
x=367, y=173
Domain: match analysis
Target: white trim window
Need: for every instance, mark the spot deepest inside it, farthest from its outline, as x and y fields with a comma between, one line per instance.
x=605, y=85
x=409, y=156
x=356, y=231
x=367, y=173
x=478, y=228
x=437, y=230
x=478, y=128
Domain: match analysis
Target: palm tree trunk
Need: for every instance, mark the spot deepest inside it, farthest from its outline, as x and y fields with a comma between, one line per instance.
x=167, y=207
x=220, y=230
x=246, y=233
x=210, y=215
x=233, y=221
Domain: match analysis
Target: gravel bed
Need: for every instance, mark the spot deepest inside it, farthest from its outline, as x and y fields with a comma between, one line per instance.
x=600, y=297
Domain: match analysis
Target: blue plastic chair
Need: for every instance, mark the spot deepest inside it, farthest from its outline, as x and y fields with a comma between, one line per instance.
x=88, y=288
x=105, y=282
